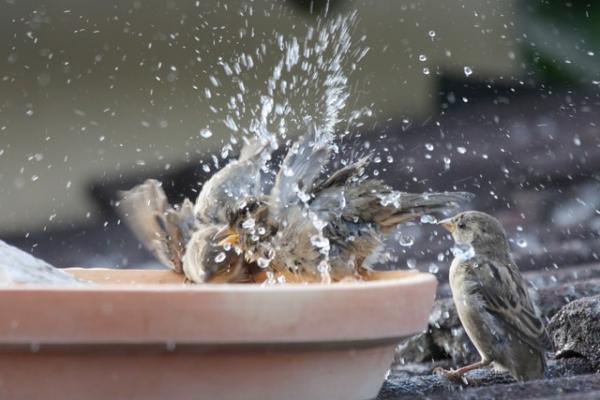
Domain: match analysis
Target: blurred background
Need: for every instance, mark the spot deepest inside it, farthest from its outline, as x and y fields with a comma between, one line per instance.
x=497, y=98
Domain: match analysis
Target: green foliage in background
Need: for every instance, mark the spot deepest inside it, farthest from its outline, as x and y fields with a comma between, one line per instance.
x=562, y=40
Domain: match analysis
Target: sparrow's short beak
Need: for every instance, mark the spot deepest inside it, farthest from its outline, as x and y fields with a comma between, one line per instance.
x=447, y=224
x=227, y=236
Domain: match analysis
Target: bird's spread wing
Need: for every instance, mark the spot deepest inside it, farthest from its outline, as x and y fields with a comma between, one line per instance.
x=341, y=177
x=400, y=207
x=300, y=168
x=372, y=201
x=237, y=180
x=162, y=229
x=506, y=297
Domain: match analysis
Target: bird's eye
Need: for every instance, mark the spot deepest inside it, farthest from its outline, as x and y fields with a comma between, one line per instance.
x=462, y=225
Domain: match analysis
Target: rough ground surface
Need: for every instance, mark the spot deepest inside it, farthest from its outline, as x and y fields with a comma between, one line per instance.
x=416, y=381
x=575, y=330
x=570, y=303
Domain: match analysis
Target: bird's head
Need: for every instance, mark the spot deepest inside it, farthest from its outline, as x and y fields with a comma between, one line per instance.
x=247, y=224
x=206, y=260
x=477, y=229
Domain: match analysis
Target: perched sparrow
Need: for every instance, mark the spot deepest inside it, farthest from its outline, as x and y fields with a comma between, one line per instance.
x=492, y=300
x=185, y=237
x=324, y=229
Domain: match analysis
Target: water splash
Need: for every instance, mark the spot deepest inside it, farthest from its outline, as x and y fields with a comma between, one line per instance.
x=463, y=252
x=315, y=64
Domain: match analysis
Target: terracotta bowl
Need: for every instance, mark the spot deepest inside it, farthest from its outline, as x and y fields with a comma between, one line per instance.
x=144, y=335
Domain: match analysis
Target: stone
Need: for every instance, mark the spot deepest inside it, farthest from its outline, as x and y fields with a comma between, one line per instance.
x=551, y=299
x=575, y=330
x=444, y=338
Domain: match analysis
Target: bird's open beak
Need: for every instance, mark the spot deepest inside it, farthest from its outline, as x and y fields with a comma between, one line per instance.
x=227, y=236
x=447, y=224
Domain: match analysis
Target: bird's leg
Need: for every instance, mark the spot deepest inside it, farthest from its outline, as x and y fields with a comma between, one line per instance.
x=458, y=373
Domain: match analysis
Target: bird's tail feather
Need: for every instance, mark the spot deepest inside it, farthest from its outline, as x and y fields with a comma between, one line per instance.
x=162, y=229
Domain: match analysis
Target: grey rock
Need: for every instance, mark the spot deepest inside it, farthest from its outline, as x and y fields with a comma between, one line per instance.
x=552, y=299
x=575, y=330
x=444, y=338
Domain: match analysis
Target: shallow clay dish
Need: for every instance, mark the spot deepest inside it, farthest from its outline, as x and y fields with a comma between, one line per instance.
x=143, y=335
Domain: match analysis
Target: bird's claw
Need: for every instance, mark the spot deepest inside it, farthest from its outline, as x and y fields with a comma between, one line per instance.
x=449, y=374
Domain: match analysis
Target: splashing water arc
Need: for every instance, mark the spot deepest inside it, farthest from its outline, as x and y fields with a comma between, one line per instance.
x=315, y=66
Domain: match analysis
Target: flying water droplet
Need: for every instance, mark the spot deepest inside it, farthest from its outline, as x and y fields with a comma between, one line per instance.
x=461, y=150
x=206, y=133
x=319, y=241
x=288, y=172
x=324, y=269
x=428, y=219
x=406, y=240
x=263, y=262
x=522, y=243
x=433, y=268
x=249, y=223
x=447, y=161
x=270, y=279
x=411, y=263
x=303, y=196
x=463, y=252
x=220, y=257
x=214, y=81
x=468, y=71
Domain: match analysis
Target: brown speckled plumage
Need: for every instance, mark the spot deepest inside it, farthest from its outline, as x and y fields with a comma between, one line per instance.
x=186, y=238
x=325, y=227
x=493, y=301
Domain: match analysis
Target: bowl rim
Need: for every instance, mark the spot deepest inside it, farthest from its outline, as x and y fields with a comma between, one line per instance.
x=364, y=311
x=408, y=279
